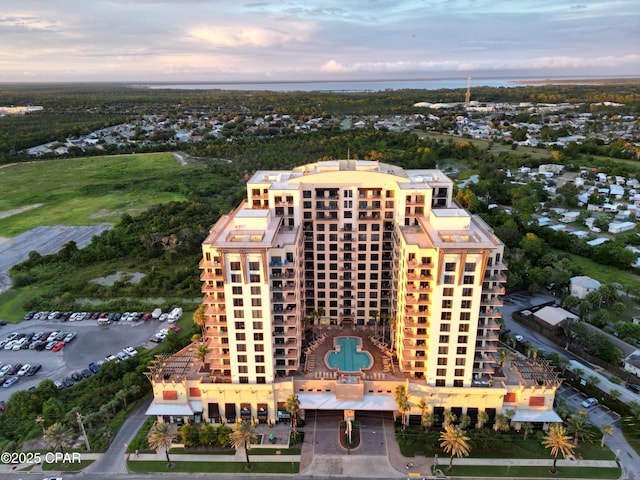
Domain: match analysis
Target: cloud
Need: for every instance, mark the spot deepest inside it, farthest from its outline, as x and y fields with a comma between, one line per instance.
x=25, y=22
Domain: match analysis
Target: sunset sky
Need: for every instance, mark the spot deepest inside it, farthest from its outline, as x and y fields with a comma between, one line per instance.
x=215, y=40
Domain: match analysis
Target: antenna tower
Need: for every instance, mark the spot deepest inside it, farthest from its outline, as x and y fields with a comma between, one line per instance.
x=467, y=97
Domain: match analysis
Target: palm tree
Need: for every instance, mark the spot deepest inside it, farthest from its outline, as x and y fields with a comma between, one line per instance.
x=318, y=314
x=161, y=437
x=527, y=428
x=483, y=417
x=402, y=400
x=559, y=442
x=464, y=421
x=40, y=421
x=449, y=417
x=503, y=355
x=242, y=434
x=58, y=437
x=201, y=353
x=200, y=320
x=606, y=430
x=502, y=423
x=426, y=417
x=375, y=314
x=453, y=440
x=293, y=406
x=579, y=426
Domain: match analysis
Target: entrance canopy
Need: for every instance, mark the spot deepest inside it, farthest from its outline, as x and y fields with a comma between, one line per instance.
x=169, y=409
x=532, y=416
x=327, y=401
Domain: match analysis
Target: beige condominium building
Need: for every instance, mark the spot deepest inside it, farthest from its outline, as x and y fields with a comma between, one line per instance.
x=338, y=281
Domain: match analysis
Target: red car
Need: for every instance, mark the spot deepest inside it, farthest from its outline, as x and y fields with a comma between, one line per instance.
x=57, y=347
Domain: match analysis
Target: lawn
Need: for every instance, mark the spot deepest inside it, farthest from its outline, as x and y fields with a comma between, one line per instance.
x=146, y=466
x=603, y=273
x=66, y=467
x=85, y=191
x=492, y=471
x=11, y=303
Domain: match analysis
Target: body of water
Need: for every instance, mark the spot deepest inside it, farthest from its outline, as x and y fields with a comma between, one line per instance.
x=353, y=86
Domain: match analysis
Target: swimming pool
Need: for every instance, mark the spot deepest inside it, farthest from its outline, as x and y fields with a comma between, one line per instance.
x=347, y=356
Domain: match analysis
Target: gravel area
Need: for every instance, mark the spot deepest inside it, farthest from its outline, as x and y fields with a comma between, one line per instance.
x=44, y=240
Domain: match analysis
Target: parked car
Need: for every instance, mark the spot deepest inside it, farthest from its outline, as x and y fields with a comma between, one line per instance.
x=634, y=387
x=76, y=376
x=94, y=367
x=68, y=382
x=14, y=369
x=33, y=370
x=70, y=336
x=130, y=351
x=25, y=368
x=589, y=402
x=5, y=369
x=9, y=381
x=86, y=373
x=57, y=347
x=111, y=358
x=58, y=384
x=122, y=356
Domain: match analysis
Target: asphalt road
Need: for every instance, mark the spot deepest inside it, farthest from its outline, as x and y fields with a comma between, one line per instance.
x=44, y=240
x=92, y=343
x=598, y=415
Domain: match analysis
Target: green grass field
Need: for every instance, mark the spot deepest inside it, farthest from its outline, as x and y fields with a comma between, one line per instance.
x=148, y=466
x=603, y=273
x=85, y=191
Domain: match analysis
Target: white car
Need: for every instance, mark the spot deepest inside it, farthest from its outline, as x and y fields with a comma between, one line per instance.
x=122, y=356
x=130, y=351
x=519, y=338
x=125, y=317
x=110, y=358
x=10, y=344
x=25, y=368
x=163, y=317
x=5, y=369
x=589, y=402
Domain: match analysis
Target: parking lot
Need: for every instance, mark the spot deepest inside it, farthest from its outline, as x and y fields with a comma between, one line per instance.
x=92, y=343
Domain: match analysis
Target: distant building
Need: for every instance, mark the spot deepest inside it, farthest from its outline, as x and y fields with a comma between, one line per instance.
x=581, y=286
x=620, y=227
x=554, y=318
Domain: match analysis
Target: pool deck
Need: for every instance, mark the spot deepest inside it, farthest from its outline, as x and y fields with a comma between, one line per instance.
x=315, y=366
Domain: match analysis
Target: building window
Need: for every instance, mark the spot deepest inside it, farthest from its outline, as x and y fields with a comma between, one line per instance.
x=441, y=372
x=444, y=339
x=460, y=362
x=447, y=303
x=465, y=316
x=240, y=336
x=254, y=265
x=260, y=369
x=257, y=325
x=447, y=292
x=256, y=314
x=260, y=336
x=445, y=315
x=238, y=313
x=461, y=350
x=449, y=279
x=239, y=325
x=241, y=347
x=440, y=383
x=459, y=372
x=445, y=327
x=236, y=290
x=243, y=369
x=465, y=304
x=235, y=278
x=234, y=265
x=467, y=292
x=244, y=379
x=463, y=327
x=242, y=359
x=462, y=339
x=254, y=278
x=255, y=291
x=263, y=380
x=469, y=267
x=258, y=347
x=450, y=267
x=442, y=361
x=259, y=358
x=237, y=302
x=468, y=279
x=458, y=383
x=443, y=350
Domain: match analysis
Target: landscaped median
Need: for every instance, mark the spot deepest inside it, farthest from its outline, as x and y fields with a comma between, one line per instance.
x=523, y=468
x=203, y=463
